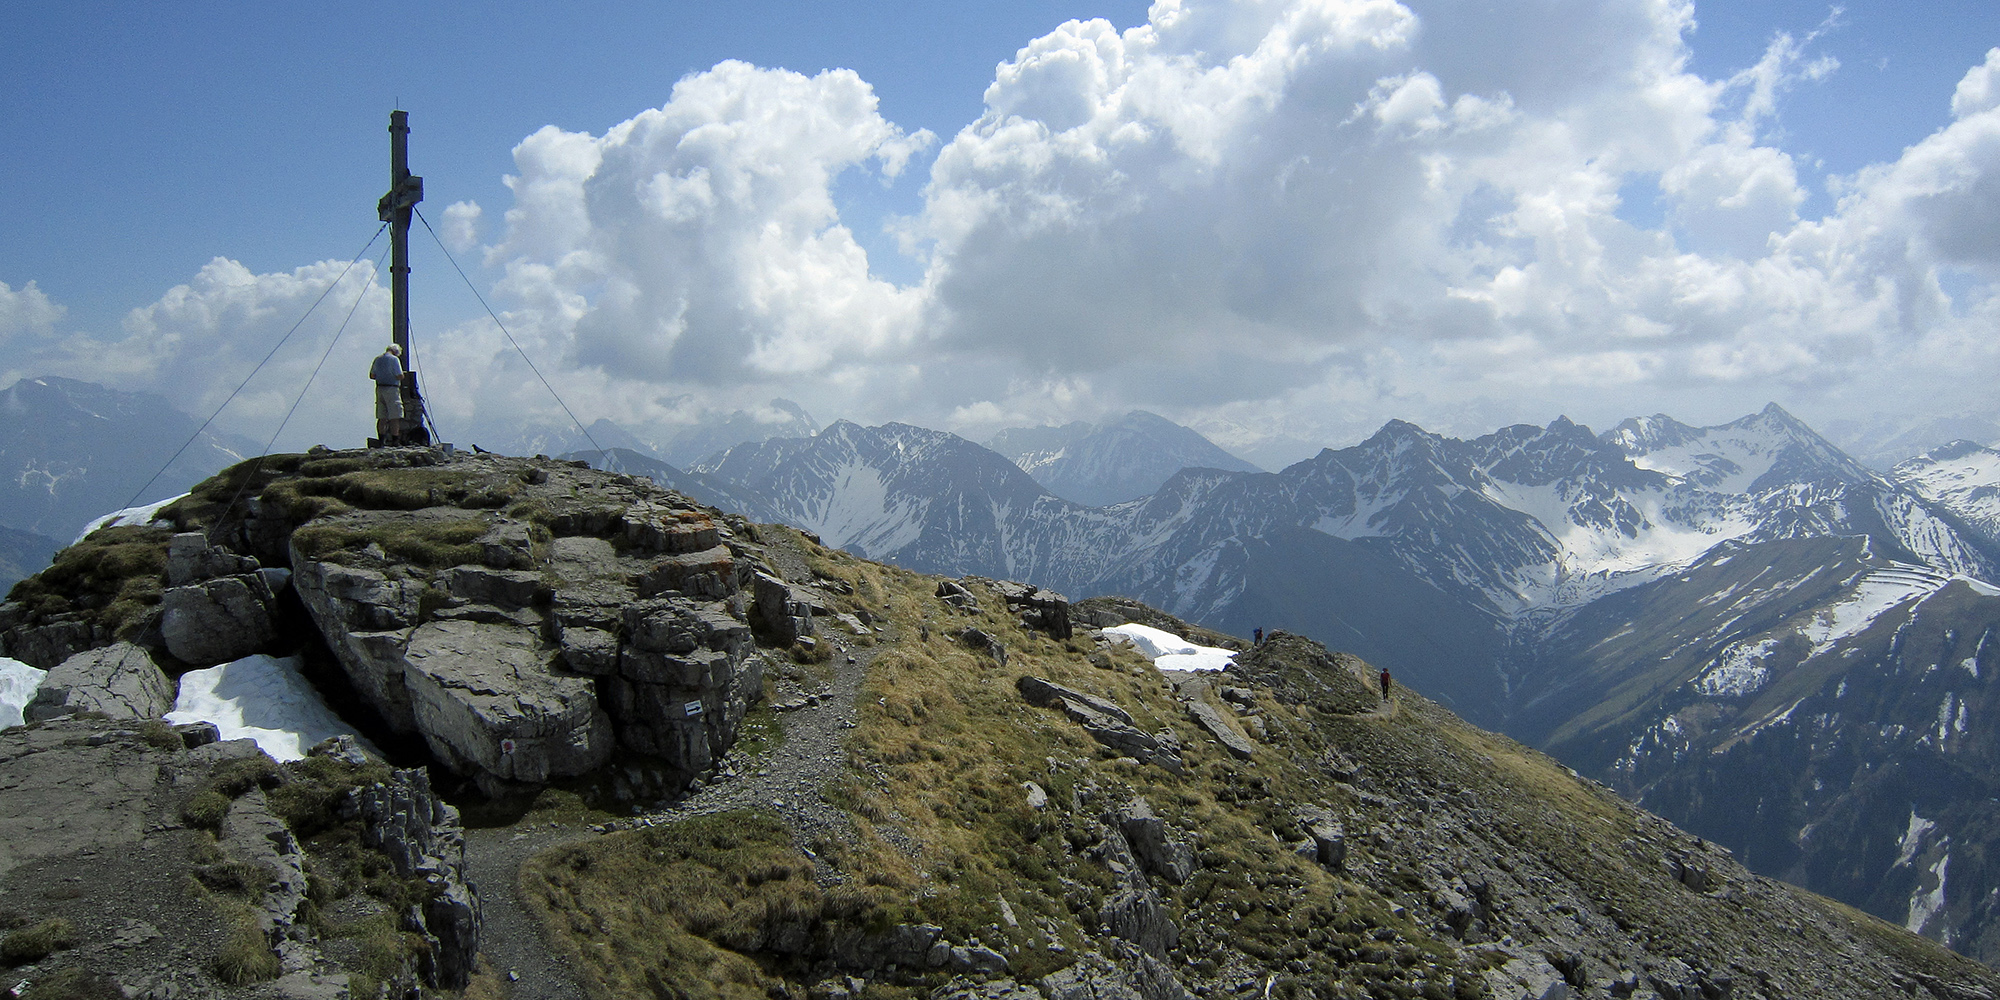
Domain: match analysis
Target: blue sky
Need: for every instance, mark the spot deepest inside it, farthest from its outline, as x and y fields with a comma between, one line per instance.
x=165, y=134
x=147, y=140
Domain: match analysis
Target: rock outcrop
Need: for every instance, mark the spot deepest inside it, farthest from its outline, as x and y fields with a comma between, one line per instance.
x=166, y=850
x=1106, y=723
x=527, y=619
x=1039, y=610
x=1162, y=850
x=218, y=605
x=121, y=681
x=424, y=839
x=600, y=614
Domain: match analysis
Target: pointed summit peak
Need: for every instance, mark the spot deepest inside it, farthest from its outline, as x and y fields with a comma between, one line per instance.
x=1640, y=435
x=1396, y=429
x=1144, y=418
x=1778, y=416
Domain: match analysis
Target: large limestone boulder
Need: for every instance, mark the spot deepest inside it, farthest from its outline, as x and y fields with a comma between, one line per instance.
x=486, y=700
x=617, y=620
x=366, y=615
x=120, y=680
x=219, y=620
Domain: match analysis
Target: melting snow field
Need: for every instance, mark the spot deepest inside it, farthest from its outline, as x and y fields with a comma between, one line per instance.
x=142, y=514
x=1171, y=652
x=18, y=682
x=262, y=698
x=1739, y=671
x=1878, y=592
x=1925, y=905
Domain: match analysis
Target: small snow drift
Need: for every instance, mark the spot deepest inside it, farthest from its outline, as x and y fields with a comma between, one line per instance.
x=142, y=514
x=262, y=698
x=18, y=683
x=1171, y=652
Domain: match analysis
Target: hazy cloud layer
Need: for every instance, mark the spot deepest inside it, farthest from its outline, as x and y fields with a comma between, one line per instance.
x=1281, y=222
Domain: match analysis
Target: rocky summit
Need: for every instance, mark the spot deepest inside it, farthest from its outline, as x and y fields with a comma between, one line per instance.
x=700, y=757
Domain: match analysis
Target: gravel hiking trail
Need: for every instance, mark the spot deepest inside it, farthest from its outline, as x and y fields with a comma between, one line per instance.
x=785, y=779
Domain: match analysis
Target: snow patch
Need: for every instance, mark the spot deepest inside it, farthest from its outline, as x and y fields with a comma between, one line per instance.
x=1925, y=905
x=1171, y=652
x=1943, y=729
x=142, y=514
x=1738, y=671
x=1878, y=592
x=1913, y=838
x=18, y=684
x=1359, y=523
x=262, y=698
x=857, y=513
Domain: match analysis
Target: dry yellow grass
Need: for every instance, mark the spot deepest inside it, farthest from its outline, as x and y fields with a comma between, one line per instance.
x=942, y=831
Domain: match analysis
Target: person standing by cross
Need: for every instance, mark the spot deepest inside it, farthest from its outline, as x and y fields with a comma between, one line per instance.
x=387, y=374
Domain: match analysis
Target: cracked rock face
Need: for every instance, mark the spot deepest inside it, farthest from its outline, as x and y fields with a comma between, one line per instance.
x=611, y=615
x=218, y=606
x=423, y=837
x=120, y=680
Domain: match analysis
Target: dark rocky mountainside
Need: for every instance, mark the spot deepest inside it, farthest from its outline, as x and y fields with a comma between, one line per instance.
x=71, y=451
x=907, y=786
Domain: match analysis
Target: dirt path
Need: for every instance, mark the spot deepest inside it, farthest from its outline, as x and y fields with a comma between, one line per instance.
x=510, y=939
x=1372, y=680
x=785, y=779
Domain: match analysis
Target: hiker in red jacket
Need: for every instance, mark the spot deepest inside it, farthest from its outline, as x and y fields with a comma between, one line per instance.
x=1385, y=685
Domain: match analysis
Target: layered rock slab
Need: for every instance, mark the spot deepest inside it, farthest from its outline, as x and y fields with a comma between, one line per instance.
x=120, y=681
x=485, y=699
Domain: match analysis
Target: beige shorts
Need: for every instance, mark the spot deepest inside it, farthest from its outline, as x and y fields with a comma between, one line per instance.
x=388, y=402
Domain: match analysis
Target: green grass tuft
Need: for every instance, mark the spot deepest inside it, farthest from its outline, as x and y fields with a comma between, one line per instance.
x=74, y=984
x=205, y=810
x=245, y=957
x=432, y=545
x=113, y=579
x=37, y=941
x=160, y=736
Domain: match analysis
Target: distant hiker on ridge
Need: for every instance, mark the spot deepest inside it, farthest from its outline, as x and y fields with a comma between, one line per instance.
x=1385, y=685
x=387, y=373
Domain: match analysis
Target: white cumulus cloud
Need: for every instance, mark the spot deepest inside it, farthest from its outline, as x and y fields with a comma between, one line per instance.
x=26, y=312
x=1281, y=221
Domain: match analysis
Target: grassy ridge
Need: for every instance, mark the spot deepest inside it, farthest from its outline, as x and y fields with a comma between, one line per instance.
x=941, y=832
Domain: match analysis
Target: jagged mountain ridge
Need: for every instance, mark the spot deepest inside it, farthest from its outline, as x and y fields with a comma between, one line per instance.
x=695, y=485
x=1097, y=466
x=677, y=444
x=1504, y=575
x=1521, y=521
x=1961, y=475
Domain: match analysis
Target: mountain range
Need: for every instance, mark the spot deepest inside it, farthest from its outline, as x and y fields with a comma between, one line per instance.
x=1739, y=626
x=1097, y=465
x=1652, y=604
x=71, y=450
x=680, y=444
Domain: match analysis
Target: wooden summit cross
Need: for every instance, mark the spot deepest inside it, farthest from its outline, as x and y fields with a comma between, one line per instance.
x=395, y=208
